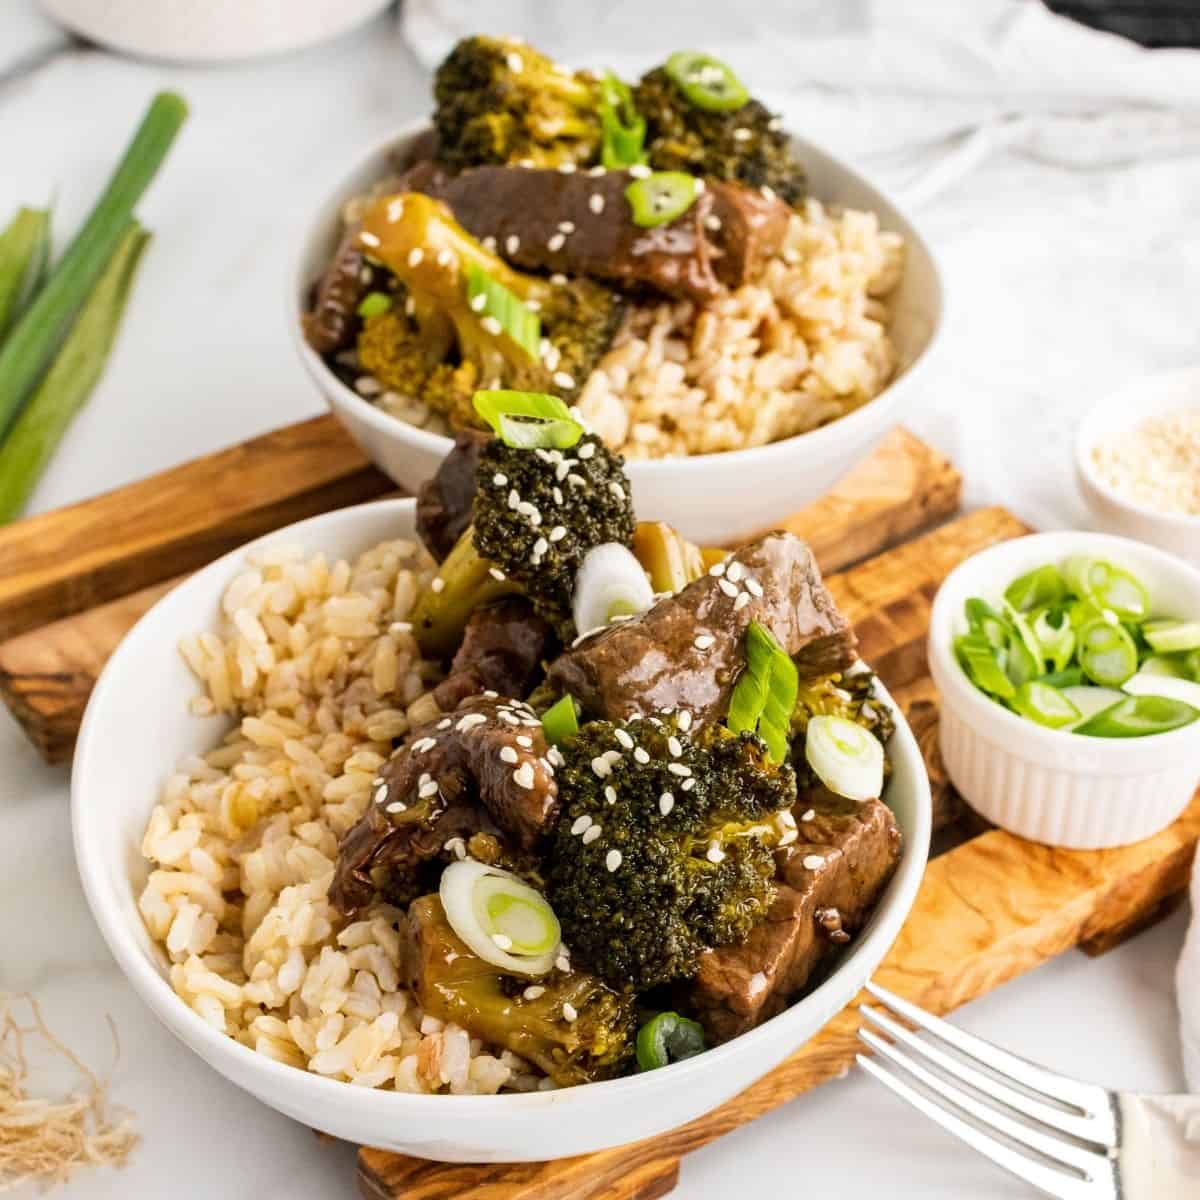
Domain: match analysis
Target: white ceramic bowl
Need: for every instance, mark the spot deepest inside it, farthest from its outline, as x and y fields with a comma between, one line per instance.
x=1151, y=396
x=712, y=498
x=137, y=727
x=1050, y=785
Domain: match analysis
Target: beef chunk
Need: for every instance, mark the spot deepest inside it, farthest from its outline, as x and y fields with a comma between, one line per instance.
x=502, y=650
x=330, y=324
x=444, y=502
x=820, y=906
x=643, y=666
x=582, y=224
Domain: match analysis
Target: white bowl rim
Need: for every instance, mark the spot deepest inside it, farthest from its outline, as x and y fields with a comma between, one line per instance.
x=943, y=620
x=219, y=1047
x=1090, y=433
x=385, y=423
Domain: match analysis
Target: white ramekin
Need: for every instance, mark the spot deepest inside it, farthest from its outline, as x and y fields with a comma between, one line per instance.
x=1138, y=400
x=1049, y=785
x=716, y=499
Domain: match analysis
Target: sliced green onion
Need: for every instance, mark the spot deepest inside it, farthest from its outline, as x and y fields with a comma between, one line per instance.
x=528, y=420
x=1069, y=678
x=500, y=917
x=24, y=251
x=622, y=126
x=1139, y=716
x=1145, y=684
x=560, y=720
x=1170, y=637
x=35, y=338
x=1091, y=700
x=1039, y=588
x=492, y=301
x=1107, y=586
x=765, y=694
x=72, y=376
x=1019, y=664
x=374, y=303
x=1056, y=642
x=1174, y=666
x=1191, y=665
x=610, y=584
x=667, y=1038
x=1045, y=704
x=981, y=661
x=706, y=82
x=1107, y=653
x=661, y=197
x=983, y=618
x=1083, y=612
x=847, y=758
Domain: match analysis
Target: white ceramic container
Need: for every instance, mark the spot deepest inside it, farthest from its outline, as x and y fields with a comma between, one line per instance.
x=1050, y=785
x=712, y=498
x=137, y=727
x=1140, y=399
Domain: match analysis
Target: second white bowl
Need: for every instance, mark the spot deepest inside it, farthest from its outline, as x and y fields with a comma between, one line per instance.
x=716, y=499
x=1049, y=785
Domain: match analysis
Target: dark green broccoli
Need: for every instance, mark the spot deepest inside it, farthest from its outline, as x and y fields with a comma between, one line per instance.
x=500, y=101
x=683, y=860
x=747, y=145
x=431, y=344
x=568, y=1023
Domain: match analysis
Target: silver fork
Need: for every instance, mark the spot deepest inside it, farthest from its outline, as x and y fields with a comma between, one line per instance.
x=1072, y=1140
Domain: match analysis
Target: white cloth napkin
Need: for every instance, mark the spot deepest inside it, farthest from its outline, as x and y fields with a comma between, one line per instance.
x=1055, y=169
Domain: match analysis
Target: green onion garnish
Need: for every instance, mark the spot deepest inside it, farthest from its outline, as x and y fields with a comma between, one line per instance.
x=1056, y=642
x=766, y=691
x=667, y=1038
x=1171, y=637
x=984, y=619
x=845, y=757
x=706, y=82
x=24, y=252
x=1107, y=586
x=1139, y=716
x=1044, y=704
x=661, y=197
x=623, y=127
x=1107, y=653
x=374, y=304
x=528, y=420
x=503, y=312
x=36, y=337
x=1039, y=588
x=560, y=721
x=981, y=661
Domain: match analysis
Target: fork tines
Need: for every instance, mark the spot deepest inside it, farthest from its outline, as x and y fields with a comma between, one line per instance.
x=1062, y=1142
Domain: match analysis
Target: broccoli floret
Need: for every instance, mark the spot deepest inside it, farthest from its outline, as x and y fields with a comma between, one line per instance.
x=454, y=984
x=433, y=345
x=746, y=145
x=500, y=101
x=684, y=857
x=566, y=503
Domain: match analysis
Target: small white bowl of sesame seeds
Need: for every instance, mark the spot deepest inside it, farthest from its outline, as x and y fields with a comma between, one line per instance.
x=1137, y=461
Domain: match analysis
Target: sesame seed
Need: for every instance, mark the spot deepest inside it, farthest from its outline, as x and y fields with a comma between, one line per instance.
x=437, y=584
x=596, y=172
x=410, y=306
x=581, y=825
x=562, y=962
x=396, y=806
x=469, y=721
x=523, y=739
x=533, y=304
x=502, y=940
x=489, y=243
x=742, y=134
x=688, y=784
x=717, y=570
x=514, y=63
x=555, y=756
x=497, y=574
x=500, y=479
x=591, y=835
x=424, y=779
x=569, y=1013
x=616, y=489
x=641, y=756
x=427, y=743
x=566, y=226
x=612, y=757
x=704, y=641
x=427, y=790
x=555, y=242
x=509, y=719
x=714, y=853
x=509, y=755
x=596, y=203
x=679, y=769
x=457, y=847
x=368, y=239
x=523, y=776
x=713, y=222
x=381, y=794
x=540, y=547
x=366, y=386
x=741, y=602
x=491, y=695
x=775, y=124
x=674, y=746
x=444, y=723
x=768, y=192
x=810, y=815
x=514, y=498
x=556, y=492
x=478, y=303
x=734, y=573
x=610, y=794
x=415, y=255
x=534, y=991
x=558, y=533
x=813, y=862
x=444, y=258
x=492, y=325
x=600, y=767
x=728, y=588
x=624, y=738
x=576, y=480
x=666, y=802
x=395, y=209
x=558, y=279
x=753, y=586
x=640, y=171
x=563, y=380
x=612, y=860
x=685, y=720
x=567, y=168
x=512, y=243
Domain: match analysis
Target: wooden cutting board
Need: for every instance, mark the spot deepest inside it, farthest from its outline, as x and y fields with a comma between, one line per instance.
x=991, y=906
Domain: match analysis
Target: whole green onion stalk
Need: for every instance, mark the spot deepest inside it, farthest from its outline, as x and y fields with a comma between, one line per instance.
x=24, y=253
x=76, y=369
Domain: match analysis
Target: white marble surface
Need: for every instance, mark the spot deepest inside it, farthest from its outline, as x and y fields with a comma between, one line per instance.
x=1071, y=262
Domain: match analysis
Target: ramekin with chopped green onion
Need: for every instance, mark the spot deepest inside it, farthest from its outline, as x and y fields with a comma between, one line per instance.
x=1069, y=668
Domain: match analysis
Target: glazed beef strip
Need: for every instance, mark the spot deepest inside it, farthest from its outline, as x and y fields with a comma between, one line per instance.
x=582, y=224
x=686, y=652
x=491, y=750
x=502, y=650
x=444, y=502
x=330, y=323
x=819, y=907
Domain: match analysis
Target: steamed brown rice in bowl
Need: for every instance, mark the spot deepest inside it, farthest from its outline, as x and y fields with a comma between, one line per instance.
x=314, y=662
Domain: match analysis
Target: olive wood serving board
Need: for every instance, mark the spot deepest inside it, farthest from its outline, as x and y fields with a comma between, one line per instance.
x=991, y=906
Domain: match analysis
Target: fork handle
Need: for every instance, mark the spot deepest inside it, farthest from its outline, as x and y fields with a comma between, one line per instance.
x=1160, y=1147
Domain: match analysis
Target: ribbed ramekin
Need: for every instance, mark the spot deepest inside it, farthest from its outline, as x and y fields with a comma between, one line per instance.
x=1044, y=784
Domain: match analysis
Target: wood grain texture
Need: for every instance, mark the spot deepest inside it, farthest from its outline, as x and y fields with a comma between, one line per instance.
x=47, y=675
x=63, y=562
x=987, y=911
